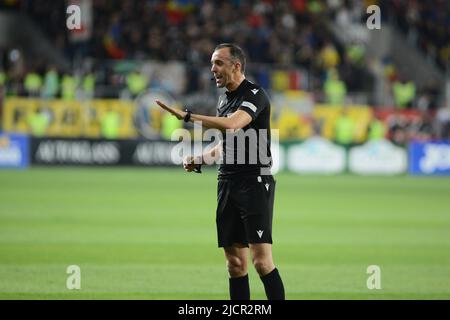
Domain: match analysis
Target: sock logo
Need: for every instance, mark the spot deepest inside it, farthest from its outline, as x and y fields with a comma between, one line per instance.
x=260, y=233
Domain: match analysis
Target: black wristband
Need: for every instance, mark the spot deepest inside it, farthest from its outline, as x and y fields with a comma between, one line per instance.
x=187, y=117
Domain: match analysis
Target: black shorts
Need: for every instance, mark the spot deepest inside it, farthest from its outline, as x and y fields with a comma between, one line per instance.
x=245, y=210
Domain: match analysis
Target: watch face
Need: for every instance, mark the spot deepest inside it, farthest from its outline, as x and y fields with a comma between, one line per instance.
x=187, y=116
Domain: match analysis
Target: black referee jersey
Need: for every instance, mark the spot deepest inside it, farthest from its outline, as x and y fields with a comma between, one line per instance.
x=246, y=151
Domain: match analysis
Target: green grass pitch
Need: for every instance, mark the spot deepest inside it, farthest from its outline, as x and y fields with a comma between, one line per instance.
x=150, y=234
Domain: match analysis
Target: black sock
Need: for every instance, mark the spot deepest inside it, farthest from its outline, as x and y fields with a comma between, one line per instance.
x=273, y=285
x=239, y=288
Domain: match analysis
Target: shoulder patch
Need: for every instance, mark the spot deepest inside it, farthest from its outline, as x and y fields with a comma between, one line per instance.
x=249, y=105
x=255, y=91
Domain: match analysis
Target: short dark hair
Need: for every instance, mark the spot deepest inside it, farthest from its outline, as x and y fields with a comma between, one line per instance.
x=236, y=53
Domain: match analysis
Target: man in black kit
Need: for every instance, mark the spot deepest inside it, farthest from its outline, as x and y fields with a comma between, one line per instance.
x=245, y=187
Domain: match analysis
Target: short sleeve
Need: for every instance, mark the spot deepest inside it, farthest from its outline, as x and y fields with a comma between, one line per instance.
x=254, y=102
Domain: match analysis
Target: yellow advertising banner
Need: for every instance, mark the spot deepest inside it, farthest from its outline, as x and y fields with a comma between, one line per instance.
x=327, y=115
x=67, y=118
x=322, y=121
x=60, y=118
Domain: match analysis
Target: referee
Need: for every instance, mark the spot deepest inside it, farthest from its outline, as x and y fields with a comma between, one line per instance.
x=245, y=193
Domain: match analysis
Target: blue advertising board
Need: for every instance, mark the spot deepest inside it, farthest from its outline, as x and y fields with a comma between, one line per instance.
x=429, y=158
x=14, y=150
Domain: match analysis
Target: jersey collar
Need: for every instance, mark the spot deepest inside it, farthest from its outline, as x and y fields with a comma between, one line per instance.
x=239, y=90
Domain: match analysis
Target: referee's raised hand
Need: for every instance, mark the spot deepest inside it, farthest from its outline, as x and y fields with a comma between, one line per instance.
x=177, y=113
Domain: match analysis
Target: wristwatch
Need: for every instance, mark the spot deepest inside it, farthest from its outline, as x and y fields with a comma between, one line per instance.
x=187, y=117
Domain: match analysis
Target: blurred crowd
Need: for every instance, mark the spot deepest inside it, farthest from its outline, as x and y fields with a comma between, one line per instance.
x=276, y=32
x=283, y=32
x=426, y=24
x=288, y=35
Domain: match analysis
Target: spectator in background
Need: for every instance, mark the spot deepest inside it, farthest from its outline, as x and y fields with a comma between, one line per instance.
x=377, y=130
x=404, y=93
x=335, y=90
x=137, y=83
x=51, y=83
x=355, y=53
x=68, y=87
x=328, y=56
x=88, y=85
x=345, y=129
x=33, y=84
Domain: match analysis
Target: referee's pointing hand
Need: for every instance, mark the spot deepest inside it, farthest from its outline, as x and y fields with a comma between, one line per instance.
x=177, y=113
